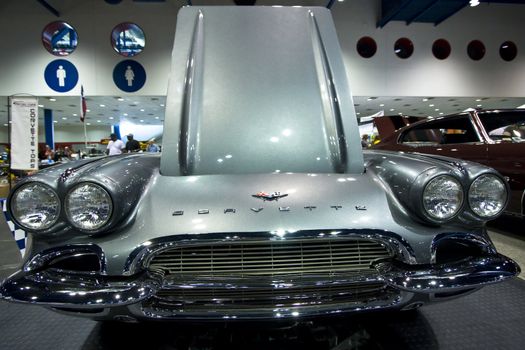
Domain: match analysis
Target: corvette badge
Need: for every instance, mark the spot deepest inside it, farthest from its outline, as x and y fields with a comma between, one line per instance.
x=269, y=196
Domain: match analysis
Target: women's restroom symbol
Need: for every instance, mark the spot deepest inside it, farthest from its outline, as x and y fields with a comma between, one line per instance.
x=129, y=76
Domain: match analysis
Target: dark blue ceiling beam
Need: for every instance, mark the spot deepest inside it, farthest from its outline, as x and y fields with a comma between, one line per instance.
x=49, y=7
x=459, y=7
x=392, y=12
x=422, y=12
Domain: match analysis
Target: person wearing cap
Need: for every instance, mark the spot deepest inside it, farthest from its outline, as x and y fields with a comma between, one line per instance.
x=132, y=145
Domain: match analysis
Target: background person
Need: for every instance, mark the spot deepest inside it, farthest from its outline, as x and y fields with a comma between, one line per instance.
x=132, y=145
x=115, y=146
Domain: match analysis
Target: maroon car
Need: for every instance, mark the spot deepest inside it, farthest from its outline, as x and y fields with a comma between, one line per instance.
x=493, y=137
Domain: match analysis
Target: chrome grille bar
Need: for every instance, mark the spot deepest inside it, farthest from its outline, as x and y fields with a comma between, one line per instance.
x=270, y=258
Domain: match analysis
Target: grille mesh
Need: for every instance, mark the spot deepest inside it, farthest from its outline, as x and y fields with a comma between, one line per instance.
x=271, y=258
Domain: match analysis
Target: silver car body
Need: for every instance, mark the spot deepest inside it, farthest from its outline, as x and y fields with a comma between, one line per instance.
x=263, y=204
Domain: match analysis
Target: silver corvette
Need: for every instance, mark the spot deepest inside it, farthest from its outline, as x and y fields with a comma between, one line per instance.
x=263, y=204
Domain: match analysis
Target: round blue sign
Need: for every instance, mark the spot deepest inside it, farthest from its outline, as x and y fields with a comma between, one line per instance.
x=129, y=76
x=61, y=75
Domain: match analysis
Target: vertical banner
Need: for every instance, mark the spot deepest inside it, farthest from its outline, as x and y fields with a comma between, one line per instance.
x=24, y=132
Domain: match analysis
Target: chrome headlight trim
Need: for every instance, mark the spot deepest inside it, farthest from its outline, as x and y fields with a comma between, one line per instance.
x=477, y=208
x=78, y=224
x=429, y=211
x=35, y=186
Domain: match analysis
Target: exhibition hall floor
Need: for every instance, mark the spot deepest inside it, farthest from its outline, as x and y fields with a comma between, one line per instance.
x=491, y=318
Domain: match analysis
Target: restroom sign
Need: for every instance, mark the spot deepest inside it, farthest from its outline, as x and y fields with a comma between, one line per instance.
x=61, y=75
x=129, y=76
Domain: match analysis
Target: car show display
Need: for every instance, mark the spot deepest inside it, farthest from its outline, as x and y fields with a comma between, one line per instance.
x=262, y=204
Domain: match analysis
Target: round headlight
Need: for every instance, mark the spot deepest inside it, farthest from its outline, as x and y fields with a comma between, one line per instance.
x=487, y=195
x=88, y=206
x=442, y=197
x=35, y=206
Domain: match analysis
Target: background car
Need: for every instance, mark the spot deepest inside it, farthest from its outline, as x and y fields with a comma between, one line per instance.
x=495, y=138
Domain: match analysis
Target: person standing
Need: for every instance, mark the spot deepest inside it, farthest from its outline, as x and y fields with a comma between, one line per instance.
x=152, y=147
x=115, y=146
x=132, y=145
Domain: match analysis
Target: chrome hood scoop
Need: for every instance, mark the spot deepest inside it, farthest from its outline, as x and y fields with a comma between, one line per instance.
x=258, y=90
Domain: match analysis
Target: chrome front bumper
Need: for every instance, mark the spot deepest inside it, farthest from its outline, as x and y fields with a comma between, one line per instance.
x=406, y=284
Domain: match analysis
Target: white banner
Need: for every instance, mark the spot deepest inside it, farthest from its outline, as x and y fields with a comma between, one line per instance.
x=24, y=133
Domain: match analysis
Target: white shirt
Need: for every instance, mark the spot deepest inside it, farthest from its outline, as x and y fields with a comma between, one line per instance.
x=116, y=147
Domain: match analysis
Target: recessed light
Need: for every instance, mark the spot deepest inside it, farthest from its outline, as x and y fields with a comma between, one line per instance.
x=142, y=120
x=431, y=105
x=392, y=109
x=41, y=106
x=425, y=99
x=120, y=99
x=54, y=121
x=6, y=124
x=88, y=123
x=102, y=105
x=142, y=109
x=98, y=121
x=437, y=109
x=125, y=114
x=440, y=113
x=74, y=114
x=52, y=99
x=88, y=110
x=156, y=117
x=382, y=105
x=478, y=99
x=110, y=117
x=162, y=104
x=358, y=113
x=478, y=105
x=64, y=118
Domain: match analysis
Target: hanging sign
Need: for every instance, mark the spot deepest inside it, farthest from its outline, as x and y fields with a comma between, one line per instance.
x=24, y=133
x=61, y=75
x=129, y=76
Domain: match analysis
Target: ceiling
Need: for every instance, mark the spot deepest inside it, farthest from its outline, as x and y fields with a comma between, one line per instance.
x=149, y=110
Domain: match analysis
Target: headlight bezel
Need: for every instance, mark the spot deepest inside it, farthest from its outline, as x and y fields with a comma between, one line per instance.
x=436, y=220
x=12, y=200
x=69, y=218
x=505, y=203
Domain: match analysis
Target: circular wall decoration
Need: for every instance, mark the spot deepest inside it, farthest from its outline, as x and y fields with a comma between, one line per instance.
x=129, y=76
x=61, y=75
x=403, y=48
x=476, y=50
x=441, y=49
x=508, y=51
x=366, y=47
x=128, y=39
x=59, y=38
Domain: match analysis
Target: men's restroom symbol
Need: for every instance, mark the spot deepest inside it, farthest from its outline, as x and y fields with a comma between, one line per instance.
x=61, y=75
x=129, y=76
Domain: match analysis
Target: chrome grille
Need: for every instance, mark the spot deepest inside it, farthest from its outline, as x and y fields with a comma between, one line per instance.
x=270, y=258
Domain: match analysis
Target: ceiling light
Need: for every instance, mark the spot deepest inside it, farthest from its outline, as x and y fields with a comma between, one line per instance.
x=52, y=99
x=64, y=118
x=431, y=105
x=142, y=120
x=392, y=109
x=88, y=123
x=437, y=109
x=440, y=113
x=102, y=105
x=54, y=121
x=521, y=107
x=98, y=121
x=120, y=99
x=88, y=110
x=41, y=106
x=156, y=117
x=474, y=3
x=425, y=99
x=125, y=114
x=74, y=114
x=162, y=105
x=142, y=109
x=382, y=105
x=478, y=105
x=110, y=117
x=478, y=99
x=358, y=113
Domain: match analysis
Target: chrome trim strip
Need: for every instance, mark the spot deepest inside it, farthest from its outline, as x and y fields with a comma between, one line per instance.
x=485, y=244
